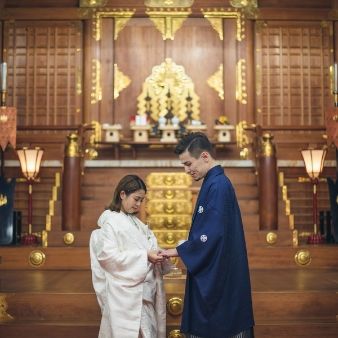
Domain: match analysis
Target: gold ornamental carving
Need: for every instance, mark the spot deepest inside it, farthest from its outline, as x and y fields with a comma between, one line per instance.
x=121, y=17
x=168, y=20
x=170, y=238
x=168, y=3
x=242, y=139
x=170, y=194
x=169, y=207
x=241, y=94
x=169, y=180
x=271, y=238
x=72, y=148
x=215, y=81
x=69, y=238
x=175, y=306
x=167, y=88
x=121, y=81
x=267, y=148
x=4, y=316
x=303, y=257
x=165, y=221
x=96, y=90
x=176, y=334
x=216, y=15
x=37, y=258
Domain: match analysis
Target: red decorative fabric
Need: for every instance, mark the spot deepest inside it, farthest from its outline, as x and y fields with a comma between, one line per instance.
x=7, y=127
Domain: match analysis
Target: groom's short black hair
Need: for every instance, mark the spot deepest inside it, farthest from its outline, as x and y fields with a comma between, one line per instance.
x=195, y=144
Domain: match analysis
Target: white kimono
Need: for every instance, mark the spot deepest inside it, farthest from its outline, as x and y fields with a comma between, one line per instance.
x=123, y=278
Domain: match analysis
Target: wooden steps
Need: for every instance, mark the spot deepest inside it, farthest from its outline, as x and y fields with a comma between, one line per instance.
x=287, y=303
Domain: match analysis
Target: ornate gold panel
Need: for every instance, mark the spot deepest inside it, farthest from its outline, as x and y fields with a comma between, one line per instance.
x=169, y=222
x=166, y=90
x=170, y=194
x=168, y=181
x=169, y=207
x=169, y=239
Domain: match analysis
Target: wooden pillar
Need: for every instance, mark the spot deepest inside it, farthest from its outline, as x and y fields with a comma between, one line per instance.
x=268, y=184
x=71, y=185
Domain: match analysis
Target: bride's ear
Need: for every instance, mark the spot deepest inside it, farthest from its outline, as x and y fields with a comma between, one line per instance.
x=123, y=195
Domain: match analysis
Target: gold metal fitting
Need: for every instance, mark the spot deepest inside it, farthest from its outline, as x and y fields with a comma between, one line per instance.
x=37, y=258
x=175, y=306
x=303, y=257
x=69, y=238
x=271, y=238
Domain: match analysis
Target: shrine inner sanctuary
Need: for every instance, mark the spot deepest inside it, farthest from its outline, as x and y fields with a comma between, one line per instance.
x=93, y=90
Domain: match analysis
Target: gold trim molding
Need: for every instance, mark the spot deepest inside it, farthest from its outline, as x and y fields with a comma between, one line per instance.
x=241, y=94
x=287, y=202
x=121, y=81
x=168, y=3
x=51, y=211
x=168, y=20
x=96, y=94
x=215, y=81
x=216, y=15
x=121, y=17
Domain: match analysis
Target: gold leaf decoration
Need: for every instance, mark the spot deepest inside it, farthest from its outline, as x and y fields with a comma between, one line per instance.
x=168, y=21
x=168, y=77
x=215, y=81
x=121, y=81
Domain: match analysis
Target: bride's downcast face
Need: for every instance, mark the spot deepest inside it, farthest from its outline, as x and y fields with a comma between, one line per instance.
x=131, y=203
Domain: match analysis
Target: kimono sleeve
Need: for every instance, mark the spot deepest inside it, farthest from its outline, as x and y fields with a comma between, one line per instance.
x=127, y=265
x=205, y=253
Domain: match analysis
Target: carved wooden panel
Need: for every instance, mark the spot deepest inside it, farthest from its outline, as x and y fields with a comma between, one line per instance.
x=44, y=71
x=292, y=68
